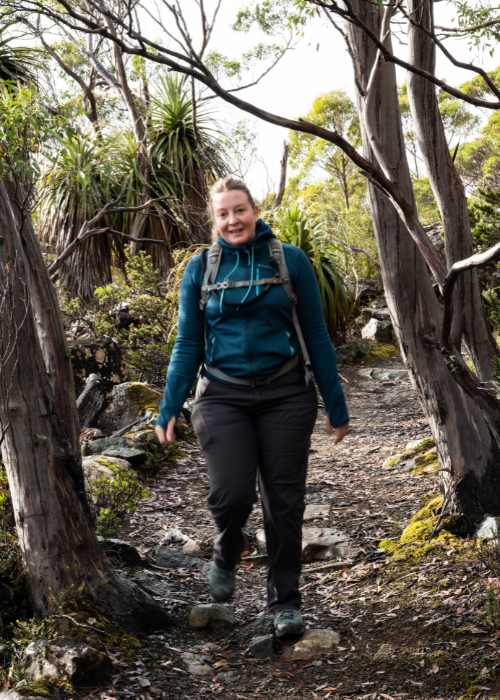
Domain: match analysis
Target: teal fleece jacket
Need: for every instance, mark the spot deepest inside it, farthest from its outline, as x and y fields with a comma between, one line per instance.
x=249, y=330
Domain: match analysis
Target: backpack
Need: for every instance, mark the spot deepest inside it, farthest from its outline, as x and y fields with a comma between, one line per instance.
x=277, y=254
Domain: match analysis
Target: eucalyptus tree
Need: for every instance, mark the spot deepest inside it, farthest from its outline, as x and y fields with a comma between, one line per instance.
x=461, y=405
x=39, y=430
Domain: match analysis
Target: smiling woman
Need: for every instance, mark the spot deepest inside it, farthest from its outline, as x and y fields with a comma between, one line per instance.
x=235, y=215
x=255, y=406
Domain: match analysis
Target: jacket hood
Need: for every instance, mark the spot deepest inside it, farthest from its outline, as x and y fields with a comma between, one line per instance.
x=263, y=232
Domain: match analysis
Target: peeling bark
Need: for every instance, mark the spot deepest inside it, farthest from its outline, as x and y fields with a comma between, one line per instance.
x=468, y=321
x=466, y=432
x=39, y=436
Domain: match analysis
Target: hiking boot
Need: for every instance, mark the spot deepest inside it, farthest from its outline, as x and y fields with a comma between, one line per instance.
x=220, y=582
x=288, y=622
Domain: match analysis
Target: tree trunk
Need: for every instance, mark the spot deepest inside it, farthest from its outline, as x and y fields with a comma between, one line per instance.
x=39, y=431
x=466, y=436
x=469, y=320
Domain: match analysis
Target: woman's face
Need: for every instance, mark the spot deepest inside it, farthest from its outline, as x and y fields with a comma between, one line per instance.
x=234, y=216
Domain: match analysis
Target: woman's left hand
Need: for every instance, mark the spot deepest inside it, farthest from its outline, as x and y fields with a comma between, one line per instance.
x=339, y=432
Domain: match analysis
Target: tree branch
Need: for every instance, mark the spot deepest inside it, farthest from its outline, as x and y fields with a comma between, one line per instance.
x=477, y=260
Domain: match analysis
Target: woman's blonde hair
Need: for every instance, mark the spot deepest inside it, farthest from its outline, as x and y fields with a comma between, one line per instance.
x=226, y=184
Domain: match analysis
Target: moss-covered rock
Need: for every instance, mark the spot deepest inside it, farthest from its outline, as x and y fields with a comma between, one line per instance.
x=417, y=539
x=114, y=490
x=129, y=402
x=417, y=457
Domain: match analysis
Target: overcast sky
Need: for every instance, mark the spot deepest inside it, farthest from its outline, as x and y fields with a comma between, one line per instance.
x=319, y=63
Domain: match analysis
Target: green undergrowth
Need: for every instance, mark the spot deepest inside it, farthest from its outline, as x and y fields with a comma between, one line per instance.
x=14, y=601
x=423, y=453
x=418, y=538
x=381, y=351
x=74, y=620
x=115, y=496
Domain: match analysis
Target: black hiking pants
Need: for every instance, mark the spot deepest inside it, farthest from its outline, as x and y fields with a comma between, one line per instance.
x=258, y=433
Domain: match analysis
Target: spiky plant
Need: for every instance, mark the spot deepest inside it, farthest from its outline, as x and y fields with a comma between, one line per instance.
x=186, y=155
x=293, y=226
x=75, y=187
x=17, y=63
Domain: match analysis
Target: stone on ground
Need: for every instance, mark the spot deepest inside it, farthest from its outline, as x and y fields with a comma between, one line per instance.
x=261, y=647
x=203, y=615
x=314, y=643
x=196, y=665
x=76, y=662
x=318, y=544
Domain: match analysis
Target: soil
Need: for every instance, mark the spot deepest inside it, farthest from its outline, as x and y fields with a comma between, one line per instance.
x=426, y=629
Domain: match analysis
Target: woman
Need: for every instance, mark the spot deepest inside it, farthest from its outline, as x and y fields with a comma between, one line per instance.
x=254, y=409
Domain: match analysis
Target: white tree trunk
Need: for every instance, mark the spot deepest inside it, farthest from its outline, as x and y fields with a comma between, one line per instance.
x=466, y=440
x=39, y=439
x=469, y=318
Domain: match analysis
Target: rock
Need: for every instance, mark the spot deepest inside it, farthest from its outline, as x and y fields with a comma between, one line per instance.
x=314, y=643
x=99, y=445
x=488, y=530
x=155, y=583
x=385, y=652
x=189, y=546
x=97, y=466
x=136, y=458
x=123, y=551
x=143, y=682
x=129, y=402
x=261, y=647
x=174, y=559
x=228, y=676
x=203, y=615
x=318, y=544
x=383, y=375
x=91, y=400
x=378, y=330
x=196, y=665
x=79, y=663
x=315, y=511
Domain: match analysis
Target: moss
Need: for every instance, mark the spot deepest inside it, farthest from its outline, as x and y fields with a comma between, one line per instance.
x=382, y=351
x=423, y=447
x=426, y=463
x=416, y=540
x=115, y=496
x=144, y=397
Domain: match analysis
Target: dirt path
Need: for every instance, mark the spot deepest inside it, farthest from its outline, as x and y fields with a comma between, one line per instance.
x=406, y=631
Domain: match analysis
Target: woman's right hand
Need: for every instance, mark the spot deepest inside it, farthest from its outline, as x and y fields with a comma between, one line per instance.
x=166, y=435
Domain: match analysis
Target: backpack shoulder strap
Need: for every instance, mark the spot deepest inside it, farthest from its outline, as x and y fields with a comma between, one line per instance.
x=277, y=253
x=212, y=263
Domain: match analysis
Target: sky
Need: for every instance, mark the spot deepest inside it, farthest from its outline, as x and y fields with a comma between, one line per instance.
x=317, y=64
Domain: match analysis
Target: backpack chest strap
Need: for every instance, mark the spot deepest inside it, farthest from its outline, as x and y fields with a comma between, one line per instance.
x=232, y=284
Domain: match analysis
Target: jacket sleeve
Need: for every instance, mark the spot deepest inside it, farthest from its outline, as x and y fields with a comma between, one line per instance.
x=319, y=344
x=187, y=353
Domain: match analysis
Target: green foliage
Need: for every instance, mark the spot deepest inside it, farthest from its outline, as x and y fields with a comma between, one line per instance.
x=308, y=154
x=24, y=125
x=152, y=307
x=274, y=16
x=11, y=567
x=145, y=343
x=114, y=497
x=428, y=211
x=295, y=227
x=479, y=20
